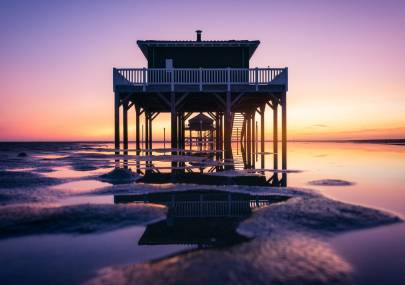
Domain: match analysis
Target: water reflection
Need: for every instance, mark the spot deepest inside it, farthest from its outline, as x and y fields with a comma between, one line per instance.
x=157, y=167
x=206, y=218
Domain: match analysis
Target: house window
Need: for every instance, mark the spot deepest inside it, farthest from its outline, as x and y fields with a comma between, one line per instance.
x=169, y=63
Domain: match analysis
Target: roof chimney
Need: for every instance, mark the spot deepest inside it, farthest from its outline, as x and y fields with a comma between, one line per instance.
x=198, y=35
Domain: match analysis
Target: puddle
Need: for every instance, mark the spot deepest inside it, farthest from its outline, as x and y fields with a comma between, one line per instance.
x=80, y=186
x=67, y=172
x=66, y=259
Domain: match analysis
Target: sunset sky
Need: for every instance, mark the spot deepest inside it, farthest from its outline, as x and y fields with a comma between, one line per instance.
x=346, y=61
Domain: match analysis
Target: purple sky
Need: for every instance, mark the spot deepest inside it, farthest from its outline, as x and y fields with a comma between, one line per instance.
x=346, y=61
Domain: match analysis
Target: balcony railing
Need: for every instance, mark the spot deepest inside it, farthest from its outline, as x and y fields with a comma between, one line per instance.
x=199, y=76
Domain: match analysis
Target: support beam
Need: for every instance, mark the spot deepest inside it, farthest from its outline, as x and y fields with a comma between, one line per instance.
x=262, y=135
x=117, y=122
x=249, y=139
x=146, y=131
x=228, y=126
x=262, y=109
x=150, y=131
x=183, y=131
x=253, y=132
x=275, y=134
x=284, y=130
x=125, y=125
x=137, y=130
x=173, y=121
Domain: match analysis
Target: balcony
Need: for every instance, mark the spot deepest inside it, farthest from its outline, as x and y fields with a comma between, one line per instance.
x=200, y=79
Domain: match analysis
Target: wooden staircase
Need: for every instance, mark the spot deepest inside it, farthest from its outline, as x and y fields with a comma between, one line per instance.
x=238, y=121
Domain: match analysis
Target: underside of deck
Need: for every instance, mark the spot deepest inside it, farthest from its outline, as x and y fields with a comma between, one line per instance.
x=232, y=100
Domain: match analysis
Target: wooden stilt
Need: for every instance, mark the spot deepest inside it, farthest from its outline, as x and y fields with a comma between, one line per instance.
x=284, y=130
x=275, y=134
x=147, y=126
x=228, y=126
x=150, y=132
x=262, y=135
x=125, y=126
x=117, y=122
x=249, y=140
x=173, y=125
x=137, y=131
x=253, y=132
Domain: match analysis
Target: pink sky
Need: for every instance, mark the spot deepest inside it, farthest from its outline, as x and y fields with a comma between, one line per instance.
x=346, y=61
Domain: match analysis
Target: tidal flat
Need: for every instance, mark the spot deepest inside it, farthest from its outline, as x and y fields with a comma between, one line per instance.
x=60, y=222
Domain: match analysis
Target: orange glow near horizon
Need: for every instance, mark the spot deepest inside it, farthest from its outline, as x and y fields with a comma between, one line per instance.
x=346, y=63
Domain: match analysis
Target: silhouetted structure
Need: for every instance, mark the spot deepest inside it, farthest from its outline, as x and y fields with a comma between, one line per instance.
x=214, y=77
x=205, y=218
x=203, y=126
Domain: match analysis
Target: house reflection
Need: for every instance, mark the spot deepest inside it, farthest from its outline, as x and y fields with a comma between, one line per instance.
x=206, y=218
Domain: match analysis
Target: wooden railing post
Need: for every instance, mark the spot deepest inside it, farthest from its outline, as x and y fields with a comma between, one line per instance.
x=257, y=78
x=144, y=78
x=172, y=79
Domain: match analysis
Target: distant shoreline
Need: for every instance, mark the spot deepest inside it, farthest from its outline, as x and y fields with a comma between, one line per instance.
x=369, y=141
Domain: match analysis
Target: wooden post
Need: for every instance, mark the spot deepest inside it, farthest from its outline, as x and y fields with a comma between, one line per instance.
x=275, y=134
x=147, y=131
x=125, y=125
x=262, y=135
x=117, y=122
x=137, y=140
x=253, y=133
x=284, y=130
x=228, y=126
x=262, y=109
x=249, y=139
x=173, y=122
x=183, y=132
x=150, y=132
x=190, y=140
x=256, y=139
x=164, y=138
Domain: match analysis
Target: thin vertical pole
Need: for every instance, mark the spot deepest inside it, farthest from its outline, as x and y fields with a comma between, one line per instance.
x=183, y=132
x=237, y=140
x=150, y=132
x=262, y=109
x=190, y=139
x=137, y=142
x=256, y=139
x=164, y=138
x=275, y=133
x=228, y=124
x=284, y=130
x=173, y=125
x=253, y=133
x=249, y=139
x=147, y=132
x=117, y=123
x=125, y=126
x=262, y=128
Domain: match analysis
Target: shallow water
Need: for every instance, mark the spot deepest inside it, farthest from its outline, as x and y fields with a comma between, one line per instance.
x=376, y=173
x=67, y=259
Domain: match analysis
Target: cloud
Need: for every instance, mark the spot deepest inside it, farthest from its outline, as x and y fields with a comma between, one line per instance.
x=319, y=126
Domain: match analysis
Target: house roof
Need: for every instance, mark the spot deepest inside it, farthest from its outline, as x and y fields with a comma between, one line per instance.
x=252, y=45
x=201, y=117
